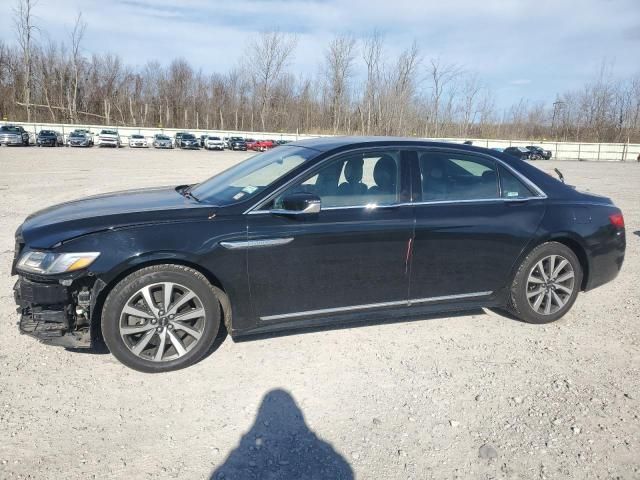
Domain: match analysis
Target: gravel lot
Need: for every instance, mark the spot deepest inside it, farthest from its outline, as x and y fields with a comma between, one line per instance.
x=471, y=396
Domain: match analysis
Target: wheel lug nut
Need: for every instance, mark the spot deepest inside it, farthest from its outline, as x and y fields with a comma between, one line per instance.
x=159, y=329
x=154, y=321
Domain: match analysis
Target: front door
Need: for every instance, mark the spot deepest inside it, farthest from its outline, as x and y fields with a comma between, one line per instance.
x=473, y=220
x=351, y=257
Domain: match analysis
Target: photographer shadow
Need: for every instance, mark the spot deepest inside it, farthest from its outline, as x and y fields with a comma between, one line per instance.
x=280, y=446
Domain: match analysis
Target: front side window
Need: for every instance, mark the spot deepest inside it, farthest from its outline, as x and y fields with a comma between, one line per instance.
x=457, y=176
x=354, y=179
x=247, y=179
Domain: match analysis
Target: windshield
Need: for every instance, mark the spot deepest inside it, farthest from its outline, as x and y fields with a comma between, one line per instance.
x=9, y=128
x=188, y=136
x=47, y=133
x=214, y=138
x=247, y=179
x=137, y=136
x=108, y=132
x=162, y=137
x=77, y=134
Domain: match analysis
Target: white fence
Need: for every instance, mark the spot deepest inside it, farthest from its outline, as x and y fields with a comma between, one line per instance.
x=604, y=152
x=611, y=152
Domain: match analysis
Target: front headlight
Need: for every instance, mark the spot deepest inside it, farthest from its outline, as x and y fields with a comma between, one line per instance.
x=48, y=263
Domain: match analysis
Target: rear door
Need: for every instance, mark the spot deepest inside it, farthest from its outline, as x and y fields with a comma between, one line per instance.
x=351, y=257
x=474, y=216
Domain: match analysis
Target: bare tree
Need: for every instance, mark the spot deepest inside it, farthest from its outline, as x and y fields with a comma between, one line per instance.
x=440, y=75
x=25, y=30
x=76, y=38
x=372, y=56
x=339, y=59
x=267, y=56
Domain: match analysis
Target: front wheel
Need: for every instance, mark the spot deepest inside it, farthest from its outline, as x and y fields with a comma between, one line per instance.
x=547, y=284
x=161, y=318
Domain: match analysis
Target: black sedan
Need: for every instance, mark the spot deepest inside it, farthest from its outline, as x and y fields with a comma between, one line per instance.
x=541, y=152
x=237, y=143
x=314, y=233
x=521, y=152
x=49, y=138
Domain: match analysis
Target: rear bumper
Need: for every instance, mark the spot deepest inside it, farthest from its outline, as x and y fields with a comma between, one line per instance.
x=46, y=313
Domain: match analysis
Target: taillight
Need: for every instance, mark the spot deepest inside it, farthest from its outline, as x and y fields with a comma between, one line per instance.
x=617, y=220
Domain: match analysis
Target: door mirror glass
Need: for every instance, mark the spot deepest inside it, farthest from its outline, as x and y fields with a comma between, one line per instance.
x=298, y=204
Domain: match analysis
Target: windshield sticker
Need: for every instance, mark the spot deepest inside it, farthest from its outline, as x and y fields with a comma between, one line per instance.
x=249, y=189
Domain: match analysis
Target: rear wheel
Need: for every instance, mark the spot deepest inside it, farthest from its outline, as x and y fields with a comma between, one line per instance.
x=547, y=284
x=161, y=318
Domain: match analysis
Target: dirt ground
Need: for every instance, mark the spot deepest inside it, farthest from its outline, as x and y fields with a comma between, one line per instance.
x=469, y=396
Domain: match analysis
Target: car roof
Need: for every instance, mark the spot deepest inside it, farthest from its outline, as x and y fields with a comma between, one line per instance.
x=324, y=144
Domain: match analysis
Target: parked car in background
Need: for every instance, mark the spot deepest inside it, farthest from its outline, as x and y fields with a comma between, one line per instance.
x=237, y=143
x=109, y=138
x=282, y=142
x=162, y=141
x=263, y=145
x=203, y=140
x=250, y=143
x=14, y=135
x=520, y=152
x=49, y=138
x=177, y=138
x=498, y=149
x=189, y=141
x=79, y=139
x=247, y=249
x=138, y=141
x=225, y=140
x=87, y=133
x=214, y=143
x=541, y=152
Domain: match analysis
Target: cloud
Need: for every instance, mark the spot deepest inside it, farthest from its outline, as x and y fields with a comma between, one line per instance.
x=520, y=82
x=530, y=48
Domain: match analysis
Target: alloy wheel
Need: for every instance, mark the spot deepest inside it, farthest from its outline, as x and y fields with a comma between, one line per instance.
x=162, y=321
x=550, y=284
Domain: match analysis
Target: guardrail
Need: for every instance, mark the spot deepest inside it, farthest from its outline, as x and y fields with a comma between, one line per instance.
x=611, y=152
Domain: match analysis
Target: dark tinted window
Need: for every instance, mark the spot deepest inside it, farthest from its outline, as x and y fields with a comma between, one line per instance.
x=512, y=187
x=457, y=176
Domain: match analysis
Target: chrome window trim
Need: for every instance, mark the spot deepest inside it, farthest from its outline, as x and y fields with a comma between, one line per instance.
x=258, y=243
x=368, y=306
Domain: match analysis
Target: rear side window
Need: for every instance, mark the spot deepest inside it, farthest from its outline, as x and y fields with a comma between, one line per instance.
x=512, y=187
x=457, y=176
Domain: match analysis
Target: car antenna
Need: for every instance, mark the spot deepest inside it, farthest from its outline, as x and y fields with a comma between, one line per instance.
x=560, y=176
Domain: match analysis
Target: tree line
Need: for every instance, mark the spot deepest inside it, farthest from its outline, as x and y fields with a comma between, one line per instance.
x=358, y=89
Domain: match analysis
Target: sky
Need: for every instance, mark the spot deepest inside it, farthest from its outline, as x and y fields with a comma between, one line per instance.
x=520, y=49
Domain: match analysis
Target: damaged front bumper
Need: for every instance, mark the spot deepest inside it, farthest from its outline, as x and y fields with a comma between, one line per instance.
x=53, y=313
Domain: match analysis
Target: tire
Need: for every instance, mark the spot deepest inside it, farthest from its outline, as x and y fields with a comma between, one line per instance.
x=176, y=354
x=527, y=290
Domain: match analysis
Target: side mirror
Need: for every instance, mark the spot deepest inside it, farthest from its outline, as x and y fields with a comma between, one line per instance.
x=299, y=204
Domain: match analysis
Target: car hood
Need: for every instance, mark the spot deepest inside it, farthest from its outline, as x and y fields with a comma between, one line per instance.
x=65, y=221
